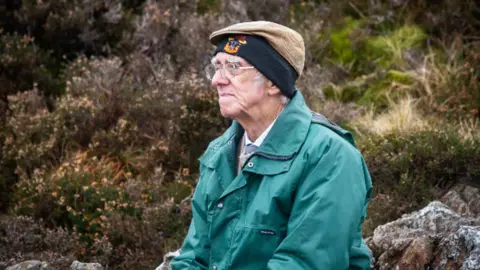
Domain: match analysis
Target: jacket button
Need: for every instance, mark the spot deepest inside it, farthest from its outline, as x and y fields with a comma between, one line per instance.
x=220, y=205
x=229, y=142
x=214, y=267
x=250, y=164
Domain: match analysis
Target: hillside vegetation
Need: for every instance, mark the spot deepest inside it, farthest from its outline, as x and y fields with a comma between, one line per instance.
x=104, y=110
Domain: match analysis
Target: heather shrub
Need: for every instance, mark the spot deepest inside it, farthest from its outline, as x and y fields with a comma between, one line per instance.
x=439, y=18
x=139, y=158
x=200, y=122
x=168, y=35
x=204, y=6
x=22, y=64
x=32, y=135
x=103, y=110
x=24, y=238
x=270, y=10
x=64, y=23
x=93, y=99
x=38, y=38
x=414, y=157
x=161, y=229
x=76, y=193
x=164, y=114
x=409, y=169
x=106, y=205
x=36, y=137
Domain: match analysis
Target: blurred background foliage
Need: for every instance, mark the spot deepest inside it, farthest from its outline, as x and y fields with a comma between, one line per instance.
x=104, y=110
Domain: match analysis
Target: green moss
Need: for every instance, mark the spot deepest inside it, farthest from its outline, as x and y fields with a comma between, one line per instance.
x=352, y=93
x=348, y=93
x=330, y=92
x=375, y=89
x=375, y=95
x=400, y=77
x=380, y=93
x=409, y=36
x=340, y=49
x=387, y=50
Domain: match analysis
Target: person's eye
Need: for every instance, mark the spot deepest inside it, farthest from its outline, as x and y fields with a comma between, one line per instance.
x=233, y=66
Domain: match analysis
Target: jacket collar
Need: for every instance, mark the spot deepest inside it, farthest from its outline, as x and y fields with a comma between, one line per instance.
x=282, y=142
x=290, y=130
x=287, y=134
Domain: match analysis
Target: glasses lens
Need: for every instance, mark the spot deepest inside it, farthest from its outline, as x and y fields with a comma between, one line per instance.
x=231, y=69
x=210, y=71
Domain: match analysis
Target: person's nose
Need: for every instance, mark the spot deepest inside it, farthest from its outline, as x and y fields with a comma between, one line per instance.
x=219, y=79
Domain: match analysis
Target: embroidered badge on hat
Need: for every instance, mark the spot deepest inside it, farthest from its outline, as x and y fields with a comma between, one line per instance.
x=234, y=43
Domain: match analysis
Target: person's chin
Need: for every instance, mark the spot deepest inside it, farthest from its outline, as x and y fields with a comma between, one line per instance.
x=227, y=111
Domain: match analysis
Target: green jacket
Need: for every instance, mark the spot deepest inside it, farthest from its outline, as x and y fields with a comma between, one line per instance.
x=298, y=203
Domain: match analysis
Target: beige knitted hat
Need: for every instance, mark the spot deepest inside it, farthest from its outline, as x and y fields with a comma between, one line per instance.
x=284, y=40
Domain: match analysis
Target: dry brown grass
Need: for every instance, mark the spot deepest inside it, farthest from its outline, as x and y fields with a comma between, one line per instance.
x=402, y=117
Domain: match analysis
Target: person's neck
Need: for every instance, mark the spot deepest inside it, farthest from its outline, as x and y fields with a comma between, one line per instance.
x=256, y=123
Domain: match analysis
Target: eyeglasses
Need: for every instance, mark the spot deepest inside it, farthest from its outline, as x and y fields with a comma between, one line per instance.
x=228, y=70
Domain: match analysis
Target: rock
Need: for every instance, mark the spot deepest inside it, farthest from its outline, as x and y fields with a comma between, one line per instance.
x=409, y=242
x=418, y=255
x=456, y=203
x=167, y=259
x=29, y=265
x=373, y=253
x=436, y=220
x=76, y=265
x=459, y=251
x=408, y=255
x=464, y=200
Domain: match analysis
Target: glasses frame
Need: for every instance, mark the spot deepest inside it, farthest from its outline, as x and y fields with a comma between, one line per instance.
x=234, y=70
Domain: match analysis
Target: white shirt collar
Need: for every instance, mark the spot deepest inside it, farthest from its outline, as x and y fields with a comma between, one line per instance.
x=260, y=138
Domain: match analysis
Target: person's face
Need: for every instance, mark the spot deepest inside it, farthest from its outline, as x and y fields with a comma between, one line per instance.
x=238, y=94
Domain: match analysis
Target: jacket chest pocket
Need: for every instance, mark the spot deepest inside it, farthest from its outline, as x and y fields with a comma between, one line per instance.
x=255, y=246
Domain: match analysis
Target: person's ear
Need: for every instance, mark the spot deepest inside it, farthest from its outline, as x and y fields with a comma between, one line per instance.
x=271, y=88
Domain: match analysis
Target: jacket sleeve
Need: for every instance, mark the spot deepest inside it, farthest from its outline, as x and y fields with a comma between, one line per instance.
x=194, y=254
x=324, y=227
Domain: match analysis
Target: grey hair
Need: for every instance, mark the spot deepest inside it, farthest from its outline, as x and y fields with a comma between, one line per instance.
x=230, y=59
x=284, y=99
x=234, y=59
x=260, y=79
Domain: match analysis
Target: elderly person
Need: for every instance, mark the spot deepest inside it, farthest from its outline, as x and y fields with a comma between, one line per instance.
x=282, y=188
